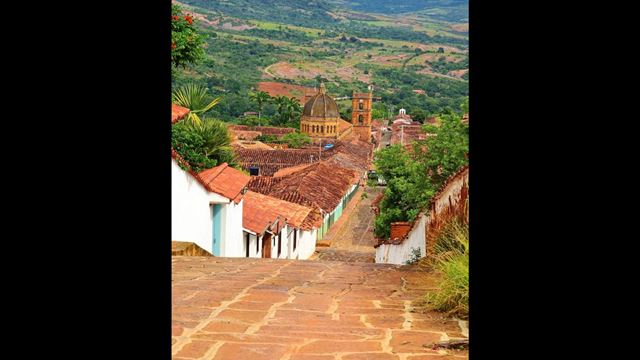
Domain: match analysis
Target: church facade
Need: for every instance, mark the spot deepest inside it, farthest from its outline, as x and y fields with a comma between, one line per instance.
x=321, y=118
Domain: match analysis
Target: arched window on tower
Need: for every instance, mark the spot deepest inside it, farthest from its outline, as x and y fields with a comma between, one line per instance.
x=360, y=105
x=322, y=129
x=360, y=119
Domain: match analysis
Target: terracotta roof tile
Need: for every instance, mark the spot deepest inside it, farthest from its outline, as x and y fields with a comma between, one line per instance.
x=178, y=113
x=224, y=180
x=343, y=126
x=244, y=134
x=251, y=144
x=256, y=217
x=292, y=213
x=320, y=184
x=290, y=170
x=270, y=161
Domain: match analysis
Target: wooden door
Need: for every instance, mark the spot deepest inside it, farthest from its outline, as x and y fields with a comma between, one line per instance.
x=266, y=246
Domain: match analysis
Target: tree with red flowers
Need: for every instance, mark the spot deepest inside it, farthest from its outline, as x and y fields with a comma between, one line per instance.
x=186, y=43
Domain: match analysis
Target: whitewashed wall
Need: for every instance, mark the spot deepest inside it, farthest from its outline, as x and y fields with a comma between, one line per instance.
x=191, y=209
x=233, y=244
x=306, y=244
x=253, y=252
x=449, y=196
x=401, y=253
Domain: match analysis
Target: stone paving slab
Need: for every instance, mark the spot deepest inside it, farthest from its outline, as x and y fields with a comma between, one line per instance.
x=226, y=308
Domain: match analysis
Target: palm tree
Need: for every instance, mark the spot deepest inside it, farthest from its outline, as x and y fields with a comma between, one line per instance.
x=217, y=141
x=293, y=109
x=193, y=97
x=282, y=103
x=260, y=98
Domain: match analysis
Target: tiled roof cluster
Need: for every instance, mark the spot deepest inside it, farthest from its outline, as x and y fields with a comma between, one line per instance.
x=270, y=161
x=270, y=130
x=251, y=144
x=260, y=130
x=321, y=184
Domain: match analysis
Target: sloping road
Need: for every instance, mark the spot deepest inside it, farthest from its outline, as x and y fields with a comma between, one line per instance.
x=267, y=309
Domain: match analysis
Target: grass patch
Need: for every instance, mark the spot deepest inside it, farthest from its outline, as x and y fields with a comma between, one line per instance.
x=450, y=259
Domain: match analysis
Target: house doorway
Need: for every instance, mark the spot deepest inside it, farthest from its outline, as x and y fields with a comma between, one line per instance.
x=216, y=221
x=266, y=245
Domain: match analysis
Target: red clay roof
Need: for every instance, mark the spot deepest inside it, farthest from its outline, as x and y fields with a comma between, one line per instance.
x=257, y=217
x=224, y=180
x=290, y=170
x=262, y=130
x=270, y=161
x=293, y=214
x=244, y=134
x=320, y=184
x=343, y=126
x=178, y=113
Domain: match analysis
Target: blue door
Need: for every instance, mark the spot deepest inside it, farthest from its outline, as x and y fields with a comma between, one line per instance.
x=216, y=213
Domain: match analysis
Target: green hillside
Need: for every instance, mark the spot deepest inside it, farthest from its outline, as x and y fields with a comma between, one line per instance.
x=343, y=42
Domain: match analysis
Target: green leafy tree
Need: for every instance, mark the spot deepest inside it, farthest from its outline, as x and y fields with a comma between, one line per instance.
x=186, y=43
x=194, y=98
x=267, y=138
x=407, y=190
x=413, y=177
x=294, y=111
x=254, y=121
x=260, y=98
x=443, y=153
x=288, y=111
x=281, y=106
x=296, y=140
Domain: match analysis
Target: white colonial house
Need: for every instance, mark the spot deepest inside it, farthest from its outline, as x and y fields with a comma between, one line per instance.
x=274, y=228
x=206, y=208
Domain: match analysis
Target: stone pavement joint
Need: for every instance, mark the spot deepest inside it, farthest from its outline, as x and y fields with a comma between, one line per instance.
x=240, y=308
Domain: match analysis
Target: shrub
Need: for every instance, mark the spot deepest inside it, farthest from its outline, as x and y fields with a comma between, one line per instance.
x=451, y=260
x=296, y=140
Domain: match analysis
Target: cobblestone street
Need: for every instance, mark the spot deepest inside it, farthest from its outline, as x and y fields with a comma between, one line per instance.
x=244, y=309
x=351, y=237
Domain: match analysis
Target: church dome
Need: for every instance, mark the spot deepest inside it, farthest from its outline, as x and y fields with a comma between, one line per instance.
x=321, y=105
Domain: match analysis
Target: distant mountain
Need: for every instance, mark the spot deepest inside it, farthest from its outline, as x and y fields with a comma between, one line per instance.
x=449, y=10
x=295, y=12
x=321, y=13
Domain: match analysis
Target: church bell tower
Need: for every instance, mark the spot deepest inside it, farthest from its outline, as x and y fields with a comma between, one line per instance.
x=361, y=114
